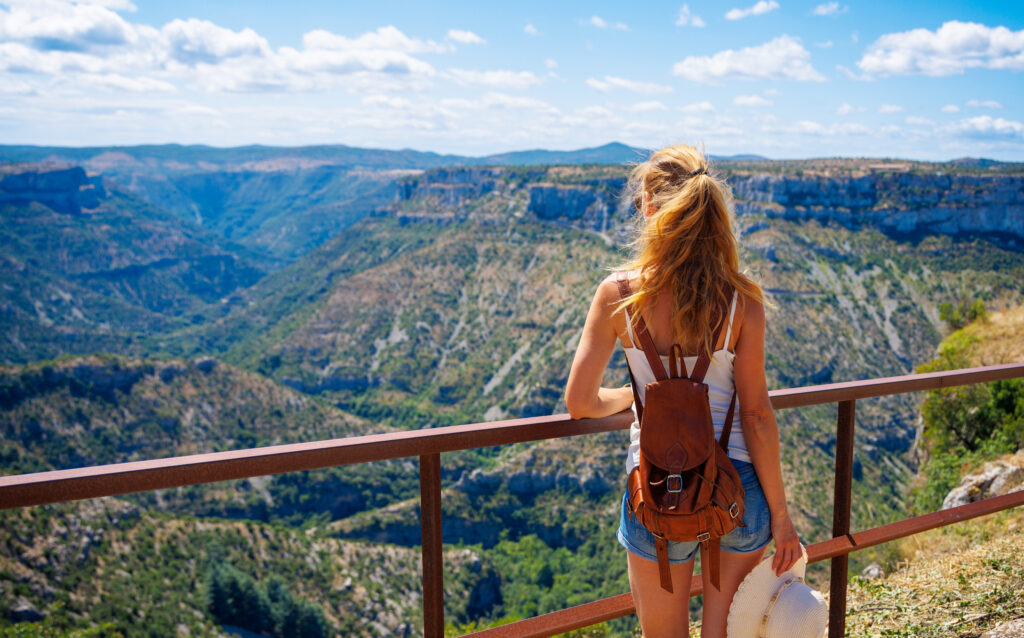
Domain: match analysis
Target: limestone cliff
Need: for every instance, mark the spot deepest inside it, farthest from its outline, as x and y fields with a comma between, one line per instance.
x=63, y=189
x=895, y=202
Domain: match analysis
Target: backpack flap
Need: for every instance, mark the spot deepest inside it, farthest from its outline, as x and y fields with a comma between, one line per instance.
x=677, y=433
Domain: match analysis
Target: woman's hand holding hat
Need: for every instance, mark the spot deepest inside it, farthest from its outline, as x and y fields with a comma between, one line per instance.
x=787, y=543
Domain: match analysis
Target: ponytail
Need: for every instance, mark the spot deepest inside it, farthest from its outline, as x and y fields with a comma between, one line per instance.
x=685, y=245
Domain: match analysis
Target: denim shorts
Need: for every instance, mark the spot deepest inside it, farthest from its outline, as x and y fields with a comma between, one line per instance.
x=742, y=540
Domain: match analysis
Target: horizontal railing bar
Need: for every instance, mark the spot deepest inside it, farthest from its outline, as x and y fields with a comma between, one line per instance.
x=606, y=609
x=910, y=526
x=851, y=390
x=563, y=620
x=139, y=476
x=124, y=478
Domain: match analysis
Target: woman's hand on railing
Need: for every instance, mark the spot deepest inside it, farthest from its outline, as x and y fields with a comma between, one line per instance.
x=787, y=543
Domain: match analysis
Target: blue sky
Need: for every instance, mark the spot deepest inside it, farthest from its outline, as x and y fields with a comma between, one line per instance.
x=924, y=80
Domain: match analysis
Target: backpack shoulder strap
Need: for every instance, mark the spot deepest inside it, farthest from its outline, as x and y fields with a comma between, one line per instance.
x=642, y=336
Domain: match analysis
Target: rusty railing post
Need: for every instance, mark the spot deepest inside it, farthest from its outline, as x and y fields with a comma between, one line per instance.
x=430, y=530
x=841, y=517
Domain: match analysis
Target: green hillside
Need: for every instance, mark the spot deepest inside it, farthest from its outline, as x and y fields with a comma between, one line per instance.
x=149, y=574
x=96, y=278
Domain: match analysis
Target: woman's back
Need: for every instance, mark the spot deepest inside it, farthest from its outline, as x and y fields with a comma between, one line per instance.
x=719, y=378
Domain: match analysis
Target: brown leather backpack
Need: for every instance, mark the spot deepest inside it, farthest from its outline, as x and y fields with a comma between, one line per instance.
x=685, y=488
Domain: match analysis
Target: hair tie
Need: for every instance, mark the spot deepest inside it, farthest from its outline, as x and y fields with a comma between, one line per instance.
x=700, y=171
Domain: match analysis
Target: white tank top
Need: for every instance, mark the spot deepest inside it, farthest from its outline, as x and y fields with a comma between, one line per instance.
x=719, y=380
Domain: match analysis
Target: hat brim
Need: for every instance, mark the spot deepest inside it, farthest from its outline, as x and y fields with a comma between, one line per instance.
x=754, y=594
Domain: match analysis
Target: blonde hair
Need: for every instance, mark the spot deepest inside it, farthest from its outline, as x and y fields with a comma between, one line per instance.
x=686, y=245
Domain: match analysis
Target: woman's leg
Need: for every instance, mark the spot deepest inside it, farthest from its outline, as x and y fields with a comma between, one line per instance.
x=661, y=614
x=734, y=567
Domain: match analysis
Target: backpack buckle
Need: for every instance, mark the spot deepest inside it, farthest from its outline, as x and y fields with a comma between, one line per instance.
x=703, y=537
x=679, y=483
x=734, y=510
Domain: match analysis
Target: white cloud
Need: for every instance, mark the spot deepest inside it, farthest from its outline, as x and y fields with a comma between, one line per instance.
x=499, y=79
x=752, y=101
x=951, y=108
x=647, y=107
x=195, y=41
x=116, y=82
x=610, y=83
x=890, y=108
x=551, y=63
x=494, y=100
x=827, y=44
x=952, y=48
x=530, y=30
x=601, y=23
x=829, y=9
x=781, y=58
x=84, y=47
x=985, y=126
x=686, y=18
x=846, y=109
x=762, y=6
x=984, y=104
x=816, y=129
x=387, y=101
x=698, y=107
x=464, y=37
x=48, y=26
x=919, y=121
x=387, y=38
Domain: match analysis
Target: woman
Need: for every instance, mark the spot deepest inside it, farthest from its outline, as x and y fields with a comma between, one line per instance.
x=683, y=274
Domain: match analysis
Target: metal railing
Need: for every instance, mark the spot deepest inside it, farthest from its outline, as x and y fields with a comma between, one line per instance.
x=123, y=478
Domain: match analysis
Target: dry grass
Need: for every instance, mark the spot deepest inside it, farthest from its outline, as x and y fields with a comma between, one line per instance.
x=957, y=581
x=999, y=339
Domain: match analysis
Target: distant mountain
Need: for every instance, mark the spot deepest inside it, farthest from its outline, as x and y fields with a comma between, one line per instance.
x=613, y=153
x=976, y=162
x=739, y=158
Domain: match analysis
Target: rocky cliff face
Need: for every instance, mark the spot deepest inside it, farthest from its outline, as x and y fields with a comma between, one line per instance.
x=64, y=190
x=893, y=202
x=595, y=204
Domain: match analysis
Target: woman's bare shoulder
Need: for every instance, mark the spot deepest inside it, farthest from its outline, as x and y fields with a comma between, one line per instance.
x=608, y=289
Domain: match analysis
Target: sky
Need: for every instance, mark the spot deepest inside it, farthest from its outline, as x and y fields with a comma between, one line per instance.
x=929, y=80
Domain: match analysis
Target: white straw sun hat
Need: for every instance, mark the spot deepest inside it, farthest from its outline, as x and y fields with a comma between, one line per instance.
x=770, y=606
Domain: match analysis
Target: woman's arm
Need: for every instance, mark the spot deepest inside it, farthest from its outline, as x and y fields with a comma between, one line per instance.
x=761, y=432
x=584, y=395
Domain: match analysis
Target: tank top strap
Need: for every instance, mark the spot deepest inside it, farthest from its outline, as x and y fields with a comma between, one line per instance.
x=732, y=313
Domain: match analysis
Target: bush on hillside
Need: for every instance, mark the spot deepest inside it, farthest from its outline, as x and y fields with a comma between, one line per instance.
x=962, y=313
x=964, y=426
x=234, y=598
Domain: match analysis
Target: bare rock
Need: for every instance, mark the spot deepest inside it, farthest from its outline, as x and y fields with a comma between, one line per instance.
x=24, y=611
x=995, y=479
x=872, y=572
x=1009, y=629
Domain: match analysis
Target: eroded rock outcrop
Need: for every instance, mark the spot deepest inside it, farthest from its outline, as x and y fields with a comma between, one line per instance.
x=995, y=479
